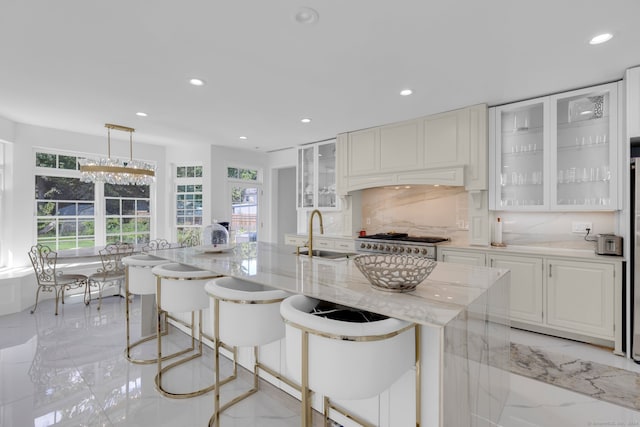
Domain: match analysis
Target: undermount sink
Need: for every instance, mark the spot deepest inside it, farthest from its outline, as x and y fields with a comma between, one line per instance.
x=328, y=254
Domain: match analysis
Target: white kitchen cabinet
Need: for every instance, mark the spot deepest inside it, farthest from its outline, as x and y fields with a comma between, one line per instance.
x=556, y=153
x=462, y=257
x=557, y=295
x=526, y=292
x=632, y=80
x=446, y=139
x=363, y=151
x=317, y=176
x=580, y=297
x=584, y=139
x=401, y=146
x=294, y=240
x=517, y=160
x=444, y=149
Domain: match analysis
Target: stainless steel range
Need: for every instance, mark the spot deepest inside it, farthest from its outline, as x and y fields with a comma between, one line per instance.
x=400, y=243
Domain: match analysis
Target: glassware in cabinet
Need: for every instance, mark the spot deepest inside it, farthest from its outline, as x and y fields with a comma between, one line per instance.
x=327, y=175
x=520, y=155
x=306, y=177
x=317, y=176
x=585, y=146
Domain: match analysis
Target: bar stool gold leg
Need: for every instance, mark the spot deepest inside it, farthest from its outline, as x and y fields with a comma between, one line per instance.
x=214, y=421
x=131, y=345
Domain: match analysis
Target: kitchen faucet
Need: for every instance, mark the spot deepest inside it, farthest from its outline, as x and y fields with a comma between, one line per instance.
x=310, y=242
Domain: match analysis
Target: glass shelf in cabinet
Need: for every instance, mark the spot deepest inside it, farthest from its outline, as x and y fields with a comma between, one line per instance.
x=537, y=184
x=506, y=133
x=579, y=145
x=600, y=121
x=524, y=152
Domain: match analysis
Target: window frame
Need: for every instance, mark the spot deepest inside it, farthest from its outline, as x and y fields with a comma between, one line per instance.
x=100, y=212
x=179, y=229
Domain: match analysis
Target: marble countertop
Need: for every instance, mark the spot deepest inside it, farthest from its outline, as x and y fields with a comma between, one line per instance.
x=535, y=250
x=447, y=291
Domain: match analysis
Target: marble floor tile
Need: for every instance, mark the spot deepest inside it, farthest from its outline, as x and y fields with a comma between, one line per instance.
x=70, y=370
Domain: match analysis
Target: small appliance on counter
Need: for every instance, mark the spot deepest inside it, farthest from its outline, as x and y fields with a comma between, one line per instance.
x=608, y=244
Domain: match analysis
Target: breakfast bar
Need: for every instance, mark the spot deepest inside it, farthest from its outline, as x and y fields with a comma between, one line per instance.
x=462, y=310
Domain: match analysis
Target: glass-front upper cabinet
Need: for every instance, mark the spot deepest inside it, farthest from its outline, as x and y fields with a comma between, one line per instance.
x=520, y=151
x=556, y=153
x=585, y=142
x=306, y=177
x=317, y=176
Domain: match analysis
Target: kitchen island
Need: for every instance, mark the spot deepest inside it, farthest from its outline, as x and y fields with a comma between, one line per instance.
x=462, y=310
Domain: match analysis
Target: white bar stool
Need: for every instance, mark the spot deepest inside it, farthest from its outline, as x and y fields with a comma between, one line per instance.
x=139, y=280
x=244, y=314
x=179, y=289
x=345, y=353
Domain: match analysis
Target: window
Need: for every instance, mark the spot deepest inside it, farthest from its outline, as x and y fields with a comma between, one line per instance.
x=244, y=203
x=64, y=212
x=56, y=161
x=242, y=174
x=189, y=172
x=188, y=201
x=128, y=216
x=66, y=207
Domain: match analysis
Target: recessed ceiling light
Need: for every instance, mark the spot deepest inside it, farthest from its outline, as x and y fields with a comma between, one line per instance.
x=243, y=137
x=406, y=92
x=141, y=114
x=196, y=82
x=306, y=120
x=601, y=38
x=306, y=15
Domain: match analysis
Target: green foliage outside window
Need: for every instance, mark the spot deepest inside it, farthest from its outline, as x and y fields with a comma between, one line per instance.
x=243, y=174
x=189, y=172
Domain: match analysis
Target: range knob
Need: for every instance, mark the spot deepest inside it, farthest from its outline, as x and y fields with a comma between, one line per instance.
x=416, y=250
x=394, y=249
x=362, y=245
x=424, y=251
x=368, y=245
x=401, y=250
x=375, y=246
x=387, y=248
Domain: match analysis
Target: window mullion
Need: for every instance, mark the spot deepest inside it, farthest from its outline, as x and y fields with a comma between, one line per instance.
x=100, y=212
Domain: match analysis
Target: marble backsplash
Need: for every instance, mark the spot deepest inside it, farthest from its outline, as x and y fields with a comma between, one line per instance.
x=553, y=229
x=417, y=210
x=443, y=211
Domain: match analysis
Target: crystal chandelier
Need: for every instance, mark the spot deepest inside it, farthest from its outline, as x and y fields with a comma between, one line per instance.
x=116, y=171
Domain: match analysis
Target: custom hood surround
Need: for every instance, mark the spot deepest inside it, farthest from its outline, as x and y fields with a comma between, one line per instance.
x=443, y=149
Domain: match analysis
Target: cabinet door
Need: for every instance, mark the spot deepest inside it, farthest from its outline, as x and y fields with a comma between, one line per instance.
x=462, y=257
x=364, y=150
x=580, y=297
x=526, y=301
x=401, y=147
x=326, y=160
x=446, y=139
x=306, y=177
x=519, y=156
x=584, y=165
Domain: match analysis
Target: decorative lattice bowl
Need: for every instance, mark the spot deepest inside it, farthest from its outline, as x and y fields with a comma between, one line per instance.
x=394, y=273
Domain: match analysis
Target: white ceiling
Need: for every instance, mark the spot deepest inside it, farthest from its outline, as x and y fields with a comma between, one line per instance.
x=77, y=64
